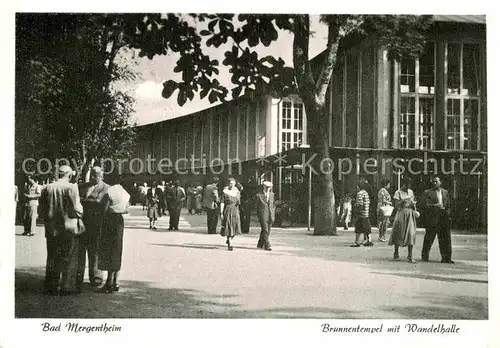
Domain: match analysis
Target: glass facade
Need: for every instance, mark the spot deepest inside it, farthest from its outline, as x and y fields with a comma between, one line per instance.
x=417, y=103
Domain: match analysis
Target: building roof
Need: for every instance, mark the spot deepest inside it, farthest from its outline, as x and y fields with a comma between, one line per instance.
x=477, y=19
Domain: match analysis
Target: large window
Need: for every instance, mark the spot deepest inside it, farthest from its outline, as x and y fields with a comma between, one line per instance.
x=462, y=96
x=292, y=125
x=417, y=107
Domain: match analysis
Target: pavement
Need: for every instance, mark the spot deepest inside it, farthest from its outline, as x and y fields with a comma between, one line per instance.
x=190, y=274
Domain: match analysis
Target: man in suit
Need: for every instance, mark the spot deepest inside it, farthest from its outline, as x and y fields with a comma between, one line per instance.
x=177, y=201
x=93, y=194
x=265, y=212
x=211, y=204
x=59, y=203
x=437, y=216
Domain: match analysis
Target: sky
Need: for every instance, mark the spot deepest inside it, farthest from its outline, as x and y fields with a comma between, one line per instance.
x=152, y=107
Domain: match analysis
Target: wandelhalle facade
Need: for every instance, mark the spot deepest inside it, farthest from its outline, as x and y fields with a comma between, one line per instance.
x=388, y=119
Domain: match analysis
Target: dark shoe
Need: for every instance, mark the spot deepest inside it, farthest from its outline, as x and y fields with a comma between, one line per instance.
x=50, y=292
x=69, y=292
x=395, y=257
x=368, y=244
x=411, y=260
x=425, y=259
x=448, y=261
x=230, y=248
x=345, y=228
x=154, y=227
x=268, y=248
x=260, y=247
x=115, y=288
x=355, y=245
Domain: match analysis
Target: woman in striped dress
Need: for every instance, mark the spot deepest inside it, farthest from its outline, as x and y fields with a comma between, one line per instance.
x=362, y=210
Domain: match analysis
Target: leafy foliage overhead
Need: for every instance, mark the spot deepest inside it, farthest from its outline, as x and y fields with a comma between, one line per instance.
x=160, y=34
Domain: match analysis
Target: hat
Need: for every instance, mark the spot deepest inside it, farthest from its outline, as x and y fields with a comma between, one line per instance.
x=267, y=183
x=65, y=169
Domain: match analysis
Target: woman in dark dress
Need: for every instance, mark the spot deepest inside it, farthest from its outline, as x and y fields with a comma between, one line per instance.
x=230, y=213
x=111, y=244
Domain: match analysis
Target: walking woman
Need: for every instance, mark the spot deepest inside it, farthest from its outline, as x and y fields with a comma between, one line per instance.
x=404, y=230
x=111, y=245
x=230, y=213
x=384, y=209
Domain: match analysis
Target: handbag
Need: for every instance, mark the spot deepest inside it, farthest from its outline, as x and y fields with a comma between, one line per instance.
x=74, y=225
x=386, y=210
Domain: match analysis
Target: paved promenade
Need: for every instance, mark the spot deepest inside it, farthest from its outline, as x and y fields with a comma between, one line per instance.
x=190, y=274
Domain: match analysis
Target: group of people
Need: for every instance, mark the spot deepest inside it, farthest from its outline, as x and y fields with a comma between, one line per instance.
x=231, y=203
x=400, y=210
x=235, y=218
x=83, y=223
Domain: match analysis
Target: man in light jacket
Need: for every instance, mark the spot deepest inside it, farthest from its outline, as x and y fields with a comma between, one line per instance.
x=60, y=203
x=265, y=211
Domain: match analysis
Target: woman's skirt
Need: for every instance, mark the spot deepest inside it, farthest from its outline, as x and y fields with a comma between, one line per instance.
x=230, y=224
x=404, y=230
x=362, y=225
x=111, y=244
x=153, y=211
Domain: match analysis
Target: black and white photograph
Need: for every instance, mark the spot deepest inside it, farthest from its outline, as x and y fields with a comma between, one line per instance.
x=329, y=167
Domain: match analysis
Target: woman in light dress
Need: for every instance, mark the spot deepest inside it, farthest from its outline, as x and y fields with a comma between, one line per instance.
x=230, y=213
x=384, y=200
x=404, y=229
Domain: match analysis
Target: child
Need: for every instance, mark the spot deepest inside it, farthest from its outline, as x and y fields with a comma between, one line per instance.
x=346, y=207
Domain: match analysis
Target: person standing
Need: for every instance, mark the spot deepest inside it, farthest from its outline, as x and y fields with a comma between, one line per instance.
x=111, y=247
x=31, y=196
x=16, y=200
x=178, y=199
x=244, y=208
x=438, y=220
x=61, y=209
x=191, y=192
x=93, y=215
x=211, y=204
x=144, y=192
x=154, y=197
x=345, y=217
x=404, y=230
x=197, y=199
x=362, y=225
x=230, y=214
x=266, y=213
x=162, y=203
x=384, y=202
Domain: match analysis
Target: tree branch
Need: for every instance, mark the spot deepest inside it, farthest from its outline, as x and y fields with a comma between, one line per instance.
x=329, y=62
x=305, y=80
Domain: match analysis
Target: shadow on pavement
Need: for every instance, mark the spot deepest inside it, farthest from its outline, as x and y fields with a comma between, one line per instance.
x=138, y=299
x=205, y=246
x=135, y=300
x=443, y=307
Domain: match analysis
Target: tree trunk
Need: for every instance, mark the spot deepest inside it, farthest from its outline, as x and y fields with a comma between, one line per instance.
x=323, y=192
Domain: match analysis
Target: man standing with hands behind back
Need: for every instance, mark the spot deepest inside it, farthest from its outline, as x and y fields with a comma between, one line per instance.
x=437, y=206
x=93, y=215
x=265, y=212
x=211, y=203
